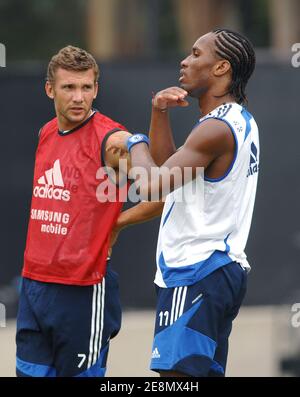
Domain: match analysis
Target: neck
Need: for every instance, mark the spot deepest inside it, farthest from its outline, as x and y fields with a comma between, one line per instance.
x=208, y=101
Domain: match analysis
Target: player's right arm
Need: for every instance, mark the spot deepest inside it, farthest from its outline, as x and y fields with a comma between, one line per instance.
x=162, y=144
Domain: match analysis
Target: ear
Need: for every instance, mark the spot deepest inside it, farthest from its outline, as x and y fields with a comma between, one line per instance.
x=222, y=67
x=96, y=90
x=49, y=89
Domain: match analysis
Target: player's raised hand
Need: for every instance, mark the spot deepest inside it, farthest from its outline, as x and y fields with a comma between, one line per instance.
x=170, y=97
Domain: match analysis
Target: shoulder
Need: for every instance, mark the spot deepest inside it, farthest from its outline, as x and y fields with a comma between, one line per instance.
x=211, y=134
x=50, y=124
x=49, y=127
x=107, y=122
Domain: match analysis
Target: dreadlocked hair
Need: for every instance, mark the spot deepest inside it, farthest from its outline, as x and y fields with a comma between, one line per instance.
x=239, y=51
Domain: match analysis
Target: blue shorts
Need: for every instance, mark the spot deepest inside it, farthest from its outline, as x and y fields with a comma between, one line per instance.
x=64, y=330
x=193, y=323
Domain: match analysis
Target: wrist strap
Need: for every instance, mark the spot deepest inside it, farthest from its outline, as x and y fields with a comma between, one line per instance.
x=135, y=139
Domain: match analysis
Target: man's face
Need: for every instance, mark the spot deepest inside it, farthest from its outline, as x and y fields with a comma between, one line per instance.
x=73, y=93
x=196, y=70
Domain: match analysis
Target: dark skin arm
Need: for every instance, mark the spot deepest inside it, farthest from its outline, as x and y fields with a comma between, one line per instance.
x=114, y=154
x=162, y=144
x=210, y=145
x=140, y=213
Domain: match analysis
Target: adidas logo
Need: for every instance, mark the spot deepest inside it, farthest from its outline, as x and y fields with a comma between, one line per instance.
x=253, y=167
x=155, y=353
x=53, y=185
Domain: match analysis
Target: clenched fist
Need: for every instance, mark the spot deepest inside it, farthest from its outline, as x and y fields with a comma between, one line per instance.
x=170, y=97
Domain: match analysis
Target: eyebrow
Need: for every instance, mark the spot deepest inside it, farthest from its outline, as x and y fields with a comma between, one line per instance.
x=74, y=84
x=196, y=49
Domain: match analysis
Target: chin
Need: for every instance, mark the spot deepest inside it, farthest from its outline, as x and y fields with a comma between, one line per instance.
x=78, y=117
x=76, y=120
x=191, y=92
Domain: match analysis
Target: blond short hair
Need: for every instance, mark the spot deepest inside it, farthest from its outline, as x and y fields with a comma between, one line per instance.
x=72, y=58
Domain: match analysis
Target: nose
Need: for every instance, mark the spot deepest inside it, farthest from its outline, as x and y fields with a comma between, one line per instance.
x=77, y=96
x=184, y=62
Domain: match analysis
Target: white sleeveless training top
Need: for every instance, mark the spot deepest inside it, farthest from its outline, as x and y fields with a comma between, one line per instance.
x=198, y=236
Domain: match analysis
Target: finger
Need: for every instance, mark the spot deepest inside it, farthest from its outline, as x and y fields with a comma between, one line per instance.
x=171, y=93
x=171, y=96
x=113, y=148
x=183, y=103
x=179, y=91
x=175, y=91
x=165, y=99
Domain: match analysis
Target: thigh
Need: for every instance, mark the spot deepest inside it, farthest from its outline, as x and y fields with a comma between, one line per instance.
x=185, y=330
x=188, y=323
x=87, y=319
x=34, y=347
x=236, y=279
